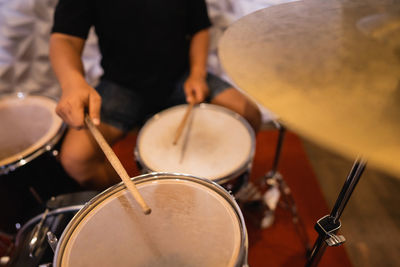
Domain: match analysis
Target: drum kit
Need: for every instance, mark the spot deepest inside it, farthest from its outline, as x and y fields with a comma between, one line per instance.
x=202, y=219
x=329, y=69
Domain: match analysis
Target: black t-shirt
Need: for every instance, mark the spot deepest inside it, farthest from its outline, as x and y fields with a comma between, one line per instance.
x=144, y=43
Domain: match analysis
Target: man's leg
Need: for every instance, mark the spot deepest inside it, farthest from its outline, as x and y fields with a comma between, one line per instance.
x=84, y=161
x=238, y=102
x=223, y=94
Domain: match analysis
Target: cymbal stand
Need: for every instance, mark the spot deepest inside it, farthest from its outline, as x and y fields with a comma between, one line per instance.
x=275, y=179
x=328, y=225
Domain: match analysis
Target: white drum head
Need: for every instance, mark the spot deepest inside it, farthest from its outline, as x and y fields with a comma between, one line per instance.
x=190, y=225
x=215, y=143
x=27, y=124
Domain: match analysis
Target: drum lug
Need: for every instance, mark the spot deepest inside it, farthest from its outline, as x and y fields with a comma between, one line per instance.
x=50, y=149
x=52, y=239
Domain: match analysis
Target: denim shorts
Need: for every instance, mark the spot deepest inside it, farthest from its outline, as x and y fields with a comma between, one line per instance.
x=125, y=109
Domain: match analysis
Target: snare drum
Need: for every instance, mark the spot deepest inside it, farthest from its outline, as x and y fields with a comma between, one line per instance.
x=217, y=144
x=194, y=222
x=29, y=132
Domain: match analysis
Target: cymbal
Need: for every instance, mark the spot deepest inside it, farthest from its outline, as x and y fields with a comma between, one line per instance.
x=330, y=70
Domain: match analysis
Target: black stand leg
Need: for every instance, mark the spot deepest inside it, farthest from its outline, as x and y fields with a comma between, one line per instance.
x=330, y=224
x=278, y=149
x=274, y=178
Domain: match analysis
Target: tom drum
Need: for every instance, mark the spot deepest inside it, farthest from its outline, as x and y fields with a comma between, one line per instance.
x=30, y=130
x=217, y=144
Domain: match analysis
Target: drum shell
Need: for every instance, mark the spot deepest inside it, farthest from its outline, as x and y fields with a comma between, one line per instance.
x=80, y=216
x=43, y=176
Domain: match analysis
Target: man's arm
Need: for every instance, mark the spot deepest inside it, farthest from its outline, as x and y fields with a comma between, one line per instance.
x=196, y=88
x=65, y=56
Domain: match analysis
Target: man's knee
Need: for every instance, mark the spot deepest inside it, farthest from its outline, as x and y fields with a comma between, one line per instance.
x=76, y=163
x=253, y=115
x=233, y=99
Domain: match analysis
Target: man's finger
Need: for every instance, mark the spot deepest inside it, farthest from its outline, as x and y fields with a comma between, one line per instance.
x=94, y=108
x=199, y=96
x=189, y=94
x=77, y=117
x=65, y=111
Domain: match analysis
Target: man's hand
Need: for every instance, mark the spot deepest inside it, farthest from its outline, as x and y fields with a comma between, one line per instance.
x=196, y=89
x=75, y=101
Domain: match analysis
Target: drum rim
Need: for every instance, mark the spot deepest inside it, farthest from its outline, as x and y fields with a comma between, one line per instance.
x=236, y=172
x=81, y=214
x=24, y=158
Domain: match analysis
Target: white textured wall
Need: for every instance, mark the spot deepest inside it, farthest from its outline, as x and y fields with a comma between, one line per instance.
x=24, y=33
x=24, y=44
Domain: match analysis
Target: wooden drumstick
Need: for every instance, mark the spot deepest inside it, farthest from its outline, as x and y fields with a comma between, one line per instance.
x=113, y=159
x=183, y=122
